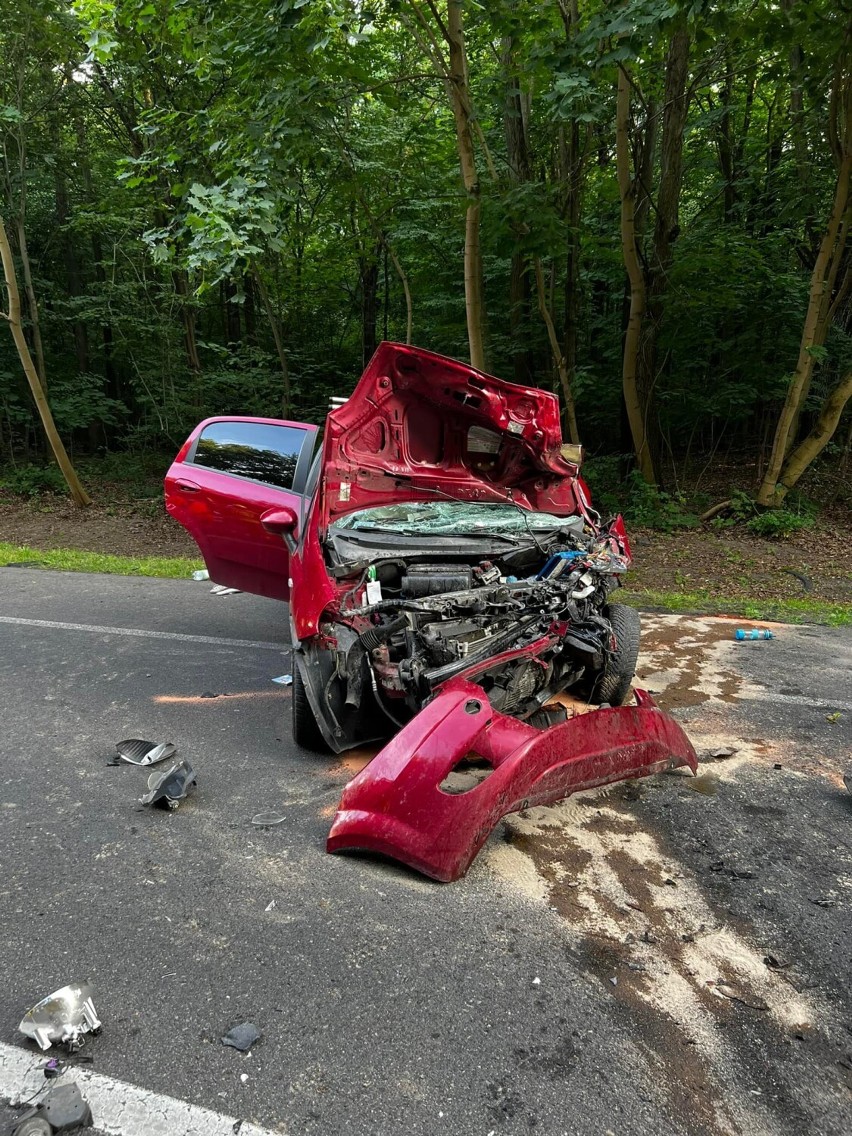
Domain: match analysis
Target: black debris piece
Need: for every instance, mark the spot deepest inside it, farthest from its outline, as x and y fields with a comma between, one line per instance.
x=169, y=788
x=62, y=1109
x=242, y=1037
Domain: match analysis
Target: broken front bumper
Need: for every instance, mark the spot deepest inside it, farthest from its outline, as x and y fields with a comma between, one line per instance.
x=396, y=805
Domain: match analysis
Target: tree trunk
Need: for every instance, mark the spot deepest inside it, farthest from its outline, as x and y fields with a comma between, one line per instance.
x=813, y=445
x=460, y=103
x=278, y=339
x=403, y=279
x=32, y=305
x=518, y=160
x=558, y=356
x=72, y=263
x=78, y=494
x=571, y=174
x=187, y=313
x=368, y=271
x=666, y=228
x=632, y=401
x=817, y=320
x=233, y=323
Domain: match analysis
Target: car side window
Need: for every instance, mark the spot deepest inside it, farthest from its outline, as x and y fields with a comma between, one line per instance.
x=257, y=451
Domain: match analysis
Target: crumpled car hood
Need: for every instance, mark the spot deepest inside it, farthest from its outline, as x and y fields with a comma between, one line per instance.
x=420, y=425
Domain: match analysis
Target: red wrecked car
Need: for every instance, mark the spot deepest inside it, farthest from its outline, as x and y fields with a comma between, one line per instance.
x=448, y=582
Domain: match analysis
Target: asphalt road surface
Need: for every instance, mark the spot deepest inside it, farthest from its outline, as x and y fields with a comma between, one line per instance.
x=669, y=956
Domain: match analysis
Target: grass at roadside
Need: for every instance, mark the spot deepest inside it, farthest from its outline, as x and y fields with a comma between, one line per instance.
x=174, y=567
x=782, y=611
x=70, y=560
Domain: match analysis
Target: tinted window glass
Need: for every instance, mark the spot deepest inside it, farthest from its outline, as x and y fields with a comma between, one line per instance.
x=251, y=449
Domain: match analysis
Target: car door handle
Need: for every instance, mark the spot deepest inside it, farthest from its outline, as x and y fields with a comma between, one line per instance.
x=188, y=486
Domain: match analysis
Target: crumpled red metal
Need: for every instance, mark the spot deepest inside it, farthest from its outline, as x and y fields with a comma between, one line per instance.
x=396, y=806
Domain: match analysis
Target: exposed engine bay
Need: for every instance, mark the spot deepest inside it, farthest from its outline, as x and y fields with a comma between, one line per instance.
x=525, y=623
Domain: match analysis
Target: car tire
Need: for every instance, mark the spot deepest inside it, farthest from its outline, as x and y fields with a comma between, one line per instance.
x=613, y=683
x=306, y=732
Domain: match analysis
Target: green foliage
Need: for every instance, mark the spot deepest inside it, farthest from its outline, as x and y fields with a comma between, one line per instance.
x=777, y=524
x=71, y=560
x=642, y=505
x=785, y=611
x=228, y=177
x=649, y=507
x=32, y=480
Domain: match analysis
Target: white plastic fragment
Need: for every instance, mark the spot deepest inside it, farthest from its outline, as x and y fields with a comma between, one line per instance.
x=201, y=574
x=284, y=680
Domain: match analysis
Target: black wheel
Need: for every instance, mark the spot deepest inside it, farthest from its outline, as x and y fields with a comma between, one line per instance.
x=613, y=683
x=306, y=732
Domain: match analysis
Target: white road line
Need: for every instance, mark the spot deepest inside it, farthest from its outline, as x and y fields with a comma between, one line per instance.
x=119, y=1108
x=143, y=633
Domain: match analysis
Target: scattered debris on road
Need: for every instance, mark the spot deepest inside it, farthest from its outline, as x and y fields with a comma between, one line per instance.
x=170, y=787
x=847, y=780
x=62, y=1109
x=137, y=751
x=753, y=633
x=284, y=680
x=268, y=820
x=242, y=1037
x=221, y=590
x=720, y=753
x=63, y=1017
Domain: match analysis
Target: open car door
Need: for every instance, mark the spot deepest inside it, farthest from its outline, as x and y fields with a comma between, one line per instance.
x=229, y=475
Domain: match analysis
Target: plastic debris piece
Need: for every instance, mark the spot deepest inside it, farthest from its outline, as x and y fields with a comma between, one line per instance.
x=284, y=680
x=63, y=1017
x=267, y=820
x=242, y=1037
x=54, y=1068
x=171, y=786
x=62, y=1109
x=201, y=574
x=137, y=751
x=721, y=753
x=775, y=963
x=32, y=1125
x=222, y=590
x=269, y=905
x=753, y=633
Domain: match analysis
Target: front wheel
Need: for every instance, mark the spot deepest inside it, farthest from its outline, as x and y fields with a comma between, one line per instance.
x=612, y=685
x=306, y=732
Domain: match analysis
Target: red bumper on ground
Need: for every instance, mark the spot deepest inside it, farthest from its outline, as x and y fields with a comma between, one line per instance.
x=395, y=806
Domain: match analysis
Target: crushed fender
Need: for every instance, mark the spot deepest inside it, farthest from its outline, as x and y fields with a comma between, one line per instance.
x=397, y=807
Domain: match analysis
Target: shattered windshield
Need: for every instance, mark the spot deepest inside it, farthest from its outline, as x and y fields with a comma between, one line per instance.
x=453, y=517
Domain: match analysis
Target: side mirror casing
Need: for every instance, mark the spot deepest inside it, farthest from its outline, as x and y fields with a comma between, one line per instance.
x=283, y=522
